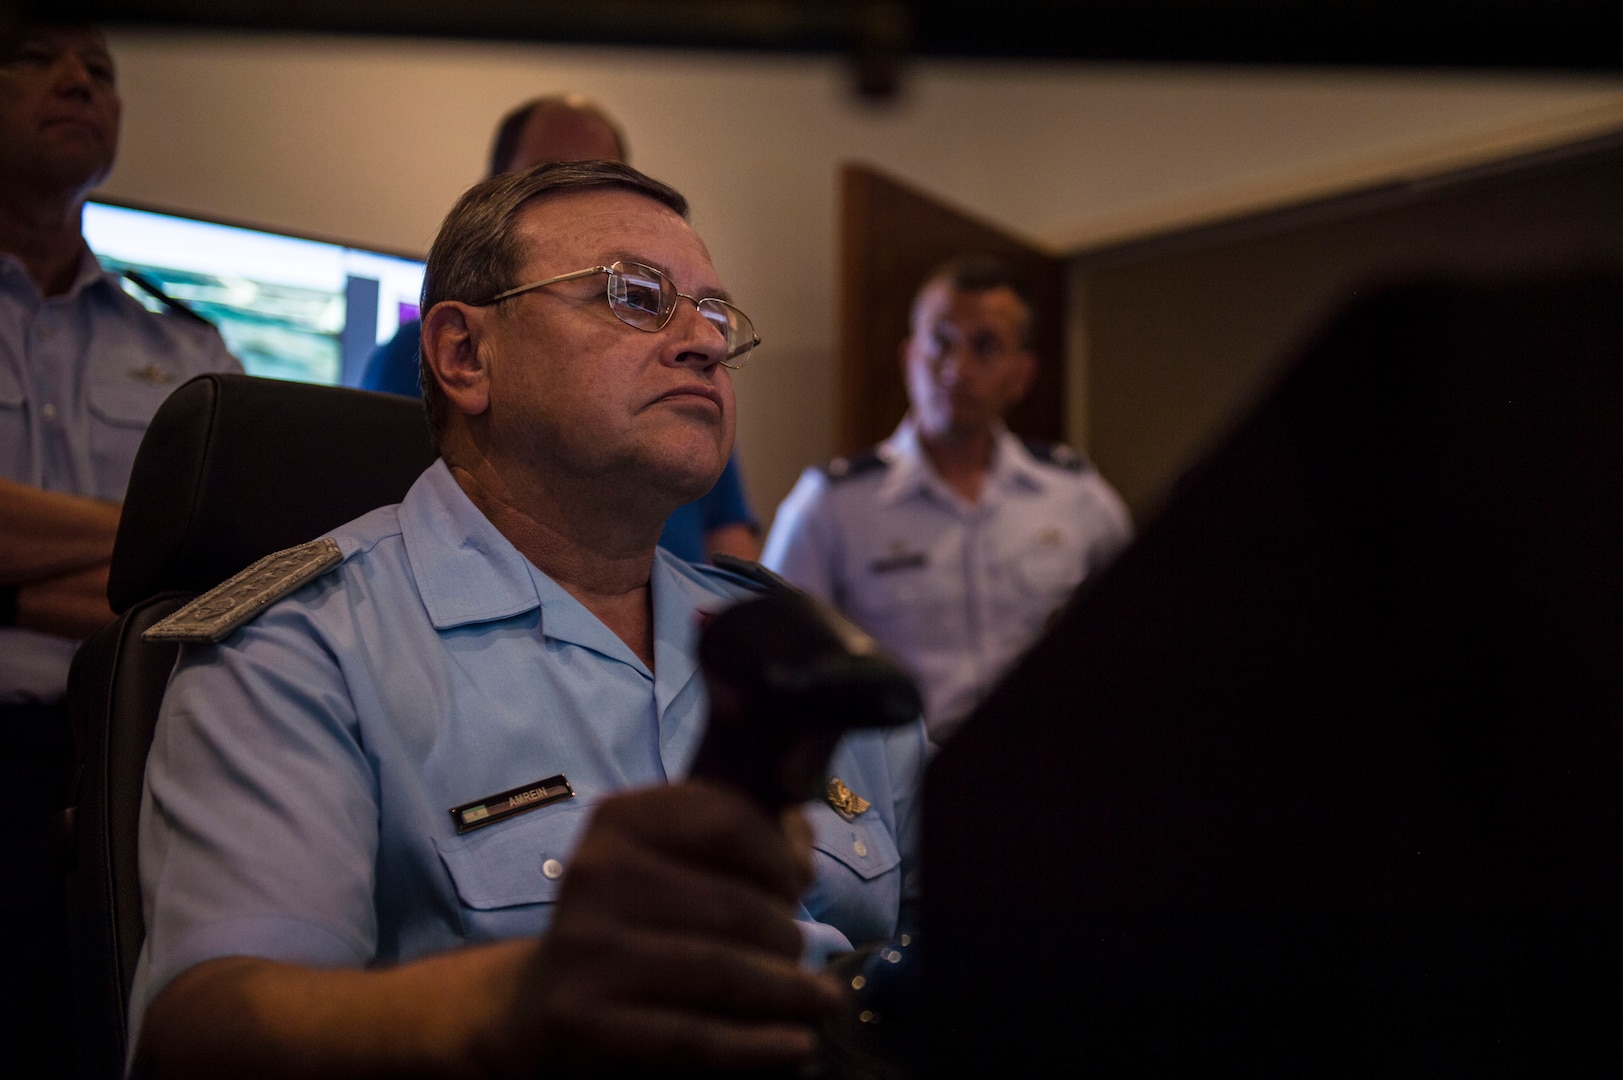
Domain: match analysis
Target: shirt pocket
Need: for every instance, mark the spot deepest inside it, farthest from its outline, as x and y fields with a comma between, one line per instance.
x=17, y=461
x=507, y=876
x=1047, y=568
x=120, y=406
x=123, y=400
x=858, y=888
x=910, y=605
x=11, y=391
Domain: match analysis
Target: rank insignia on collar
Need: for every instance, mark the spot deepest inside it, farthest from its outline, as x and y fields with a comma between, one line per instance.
x=847, y=803
x=152, y=375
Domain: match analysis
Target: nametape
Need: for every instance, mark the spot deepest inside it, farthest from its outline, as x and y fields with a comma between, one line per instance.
x=493, y=808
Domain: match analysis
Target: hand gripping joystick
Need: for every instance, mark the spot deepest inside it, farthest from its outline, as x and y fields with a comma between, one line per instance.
x=788, y=676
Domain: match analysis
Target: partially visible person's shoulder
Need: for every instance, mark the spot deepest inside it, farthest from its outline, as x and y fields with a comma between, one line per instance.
x=871, y=462
x=1057, y=455
x=175, y=335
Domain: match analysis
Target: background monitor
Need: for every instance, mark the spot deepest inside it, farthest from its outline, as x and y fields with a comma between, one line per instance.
x=289, y=307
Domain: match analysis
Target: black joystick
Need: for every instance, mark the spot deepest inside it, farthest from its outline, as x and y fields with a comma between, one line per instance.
x=788, y=676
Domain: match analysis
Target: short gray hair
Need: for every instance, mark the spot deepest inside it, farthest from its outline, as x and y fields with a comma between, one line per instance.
x=477, y=252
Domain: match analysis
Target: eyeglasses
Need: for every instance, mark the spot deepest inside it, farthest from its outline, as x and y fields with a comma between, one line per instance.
x=642, y=297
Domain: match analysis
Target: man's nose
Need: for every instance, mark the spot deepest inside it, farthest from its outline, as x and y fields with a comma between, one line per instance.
x=70, y=75
x=703, y=345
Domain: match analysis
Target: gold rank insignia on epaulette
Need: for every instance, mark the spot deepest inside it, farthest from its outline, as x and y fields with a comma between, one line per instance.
x=239, y=598
x=847, y=803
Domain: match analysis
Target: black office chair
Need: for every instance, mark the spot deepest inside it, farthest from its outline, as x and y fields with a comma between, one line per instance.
x=231, y=469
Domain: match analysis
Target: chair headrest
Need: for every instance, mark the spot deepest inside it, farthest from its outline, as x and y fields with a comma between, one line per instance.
x=234, y=467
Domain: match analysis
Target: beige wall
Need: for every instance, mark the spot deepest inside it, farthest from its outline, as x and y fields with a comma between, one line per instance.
x=370, y=141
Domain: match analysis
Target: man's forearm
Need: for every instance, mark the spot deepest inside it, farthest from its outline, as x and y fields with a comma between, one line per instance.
x=671, y=946
x=73, y=605
x=46, y=534
x=246, y=1018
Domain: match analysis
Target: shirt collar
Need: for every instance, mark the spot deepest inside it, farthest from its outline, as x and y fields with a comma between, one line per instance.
x=88, y=275
x=911, y=474
x=91, y=274
x=468, y=572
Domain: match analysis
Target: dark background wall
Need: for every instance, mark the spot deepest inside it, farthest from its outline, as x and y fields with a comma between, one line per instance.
x=1185, y=329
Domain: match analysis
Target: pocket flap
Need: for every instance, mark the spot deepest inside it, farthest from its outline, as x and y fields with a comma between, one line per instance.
x=124, y=400
x=520, y=861
x=864, y=845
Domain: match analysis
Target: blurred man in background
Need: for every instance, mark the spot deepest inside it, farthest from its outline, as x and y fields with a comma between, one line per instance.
x=953, y=542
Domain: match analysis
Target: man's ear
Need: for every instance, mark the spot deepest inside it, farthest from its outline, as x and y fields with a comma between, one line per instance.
x=452, y=336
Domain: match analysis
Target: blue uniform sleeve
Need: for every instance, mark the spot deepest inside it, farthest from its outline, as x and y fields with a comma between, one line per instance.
x=259, y=823
x=393, y=366
x=803, y=543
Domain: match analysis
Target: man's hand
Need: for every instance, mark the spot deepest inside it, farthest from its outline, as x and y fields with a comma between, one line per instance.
x=672, y=945
x=674, y=940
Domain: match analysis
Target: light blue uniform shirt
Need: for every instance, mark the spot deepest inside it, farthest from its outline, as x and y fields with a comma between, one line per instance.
x=80, y=376
x=302, y=773
x=957, y=591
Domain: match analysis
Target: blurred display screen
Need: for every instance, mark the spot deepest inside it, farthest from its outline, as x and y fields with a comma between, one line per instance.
x=288, y=307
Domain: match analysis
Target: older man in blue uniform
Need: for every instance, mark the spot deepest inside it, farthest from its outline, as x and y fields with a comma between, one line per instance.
x=425, y=814
x=953, y=542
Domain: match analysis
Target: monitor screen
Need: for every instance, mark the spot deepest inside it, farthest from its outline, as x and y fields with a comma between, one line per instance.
x=288, y=307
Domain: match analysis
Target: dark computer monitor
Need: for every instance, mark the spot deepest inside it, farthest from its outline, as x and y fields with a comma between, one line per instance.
x=1325, y=775
x=289, y=307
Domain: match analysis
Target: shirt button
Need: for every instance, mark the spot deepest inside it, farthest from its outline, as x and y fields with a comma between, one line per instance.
x=861, y=849
x=47, y=412
x=553, y=869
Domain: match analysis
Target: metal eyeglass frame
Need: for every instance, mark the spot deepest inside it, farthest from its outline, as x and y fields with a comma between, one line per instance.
x=611, y=270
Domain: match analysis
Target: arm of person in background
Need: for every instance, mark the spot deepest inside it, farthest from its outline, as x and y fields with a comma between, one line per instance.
x=672, y=946
x=730, y=526
x=803, y=545
x=55, y=550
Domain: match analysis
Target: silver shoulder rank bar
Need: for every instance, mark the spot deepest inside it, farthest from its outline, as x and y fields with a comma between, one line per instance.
x=235, y=601
x=500, y=807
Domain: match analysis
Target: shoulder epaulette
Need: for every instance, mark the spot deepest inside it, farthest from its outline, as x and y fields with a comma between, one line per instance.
x=237, y=600
x=844, y=468
x=1056, y=454
x=753, y=573
x=173, y=306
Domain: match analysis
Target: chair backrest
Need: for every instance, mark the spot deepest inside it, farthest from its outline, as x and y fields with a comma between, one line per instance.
x=231, y=469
